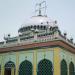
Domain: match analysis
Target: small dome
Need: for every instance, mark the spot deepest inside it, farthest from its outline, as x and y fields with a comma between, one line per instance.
x=38, y=20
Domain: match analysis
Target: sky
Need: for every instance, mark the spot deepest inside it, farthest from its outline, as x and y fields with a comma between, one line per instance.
x=13, y=13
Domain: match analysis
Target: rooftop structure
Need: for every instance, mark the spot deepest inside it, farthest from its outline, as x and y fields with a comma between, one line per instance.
x=39, y=28
x=39, y=49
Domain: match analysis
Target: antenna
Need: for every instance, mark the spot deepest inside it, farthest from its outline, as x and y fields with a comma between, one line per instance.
x=41, y=6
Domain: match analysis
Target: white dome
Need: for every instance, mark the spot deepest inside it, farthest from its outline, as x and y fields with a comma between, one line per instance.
x=39, y=20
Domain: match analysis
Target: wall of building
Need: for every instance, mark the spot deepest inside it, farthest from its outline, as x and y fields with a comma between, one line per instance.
x=67, y=56
x=27, y=55
x=55, y=55
x=34, y=56
x=69, y=59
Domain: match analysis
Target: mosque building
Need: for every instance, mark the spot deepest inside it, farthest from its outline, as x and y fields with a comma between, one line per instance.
x=39, y=49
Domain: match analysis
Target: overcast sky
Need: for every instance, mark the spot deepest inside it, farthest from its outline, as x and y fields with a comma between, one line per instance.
x=13, y=13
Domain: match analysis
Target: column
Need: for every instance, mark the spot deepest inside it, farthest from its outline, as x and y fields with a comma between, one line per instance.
x=56, y=61
x=68, y=69
x=35, y=63
x=2, y=70
x=2, y=66
x=12, y=71
x=17, y=64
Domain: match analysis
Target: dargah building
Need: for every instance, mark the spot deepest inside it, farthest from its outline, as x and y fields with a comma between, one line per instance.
x=39, y=49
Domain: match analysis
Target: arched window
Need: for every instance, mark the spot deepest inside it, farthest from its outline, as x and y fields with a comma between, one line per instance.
x=31, y=26
x=45, y=67
x=63, y=67
x=41, y=27
x=9, y=66
x=44, y=27
x=71, y=68
x=34, y=26
x=28, y=28
x=25, y=68
x=38, y=27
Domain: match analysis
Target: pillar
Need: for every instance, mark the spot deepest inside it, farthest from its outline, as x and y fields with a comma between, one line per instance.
x=17, y=64
x=56, y=61
x=2, y=66
x=35, y=63
x=12, y=71
x=2, y=70
x=68, y=69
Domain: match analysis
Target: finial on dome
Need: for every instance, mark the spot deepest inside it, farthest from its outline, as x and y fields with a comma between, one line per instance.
x=41, y=6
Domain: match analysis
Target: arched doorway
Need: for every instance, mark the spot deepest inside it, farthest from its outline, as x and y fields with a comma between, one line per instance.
x=71, y=68
x=25, y=68
x=45, y=67
x=9, y=68
x=63, y=67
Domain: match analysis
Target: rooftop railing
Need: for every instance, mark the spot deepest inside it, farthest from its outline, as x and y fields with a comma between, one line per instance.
x=40, y=38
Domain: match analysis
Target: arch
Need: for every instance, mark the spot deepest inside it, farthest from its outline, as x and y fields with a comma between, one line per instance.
x=45, y=67
x=63, y=67
x=34, y=26
x=31, y=26
x=41, y=27
x=9, y=66
x=25, y=68
x=28, y=27
x=71, y=68
x=44, y=27
x=38, y=27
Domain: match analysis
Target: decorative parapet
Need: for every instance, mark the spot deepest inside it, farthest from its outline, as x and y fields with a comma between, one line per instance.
x=39, y=38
